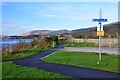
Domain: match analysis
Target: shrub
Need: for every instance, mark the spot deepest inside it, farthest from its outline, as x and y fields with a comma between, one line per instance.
x=37, y=43
x=18, y=48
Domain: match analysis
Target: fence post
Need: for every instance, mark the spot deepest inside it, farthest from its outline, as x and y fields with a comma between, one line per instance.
x=109, y=41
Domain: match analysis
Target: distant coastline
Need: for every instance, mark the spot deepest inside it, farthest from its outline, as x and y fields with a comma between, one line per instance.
x=4, y=43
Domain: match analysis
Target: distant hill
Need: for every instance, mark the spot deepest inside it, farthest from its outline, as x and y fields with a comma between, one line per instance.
x=45, y=32
x=59, y=32
x=110, y=29
x=84, y=29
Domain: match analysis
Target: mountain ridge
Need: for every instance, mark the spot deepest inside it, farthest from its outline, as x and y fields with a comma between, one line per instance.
x=45, y=32
x=108, y=28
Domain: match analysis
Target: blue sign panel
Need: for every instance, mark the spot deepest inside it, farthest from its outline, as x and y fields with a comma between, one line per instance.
x=99, y=20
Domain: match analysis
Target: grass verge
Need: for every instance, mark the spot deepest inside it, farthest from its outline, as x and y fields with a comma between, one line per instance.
x=23, y=54
x=80, y=44
x=85, y=59
x=11, y=70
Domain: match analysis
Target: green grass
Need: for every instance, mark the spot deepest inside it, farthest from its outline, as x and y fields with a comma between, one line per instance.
x=27, y=53
x=0, y=69
x=80, y=44
x=10, y=70
x=85, y=59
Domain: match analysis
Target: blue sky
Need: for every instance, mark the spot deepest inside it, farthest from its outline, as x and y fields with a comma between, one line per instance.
x=21, y=17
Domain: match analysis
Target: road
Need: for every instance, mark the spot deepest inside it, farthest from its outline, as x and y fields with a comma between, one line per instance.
x=63, y=69
x=86, y=49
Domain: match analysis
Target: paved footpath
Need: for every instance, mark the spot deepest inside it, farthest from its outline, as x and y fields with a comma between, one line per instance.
x=93, y=49
x=66, y=70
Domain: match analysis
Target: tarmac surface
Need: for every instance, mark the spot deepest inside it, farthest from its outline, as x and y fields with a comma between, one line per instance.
x=63, y=69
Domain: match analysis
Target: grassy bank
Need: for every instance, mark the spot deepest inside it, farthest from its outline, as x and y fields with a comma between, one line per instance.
x=11, y=70
x=85, y=59
x=80, y=44
x=24, y=53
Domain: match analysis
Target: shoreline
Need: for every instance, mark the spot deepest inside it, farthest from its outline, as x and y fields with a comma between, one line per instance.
x=12, y=42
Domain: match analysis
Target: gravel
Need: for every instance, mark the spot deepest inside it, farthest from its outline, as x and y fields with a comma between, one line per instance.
x=85, y=49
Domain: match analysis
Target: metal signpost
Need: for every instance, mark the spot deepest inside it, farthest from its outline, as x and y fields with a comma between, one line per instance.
x=100, y=31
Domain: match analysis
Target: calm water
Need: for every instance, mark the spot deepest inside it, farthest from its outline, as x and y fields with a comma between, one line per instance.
x=12, y=42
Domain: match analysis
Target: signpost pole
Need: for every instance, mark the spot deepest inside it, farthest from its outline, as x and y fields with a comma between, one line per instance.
x=100, y=25
x=100, y=32
x=100, y=47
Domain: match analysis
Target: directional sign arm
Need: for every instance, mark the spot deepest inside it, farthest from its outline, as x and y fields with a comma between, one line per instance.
x=99, y=20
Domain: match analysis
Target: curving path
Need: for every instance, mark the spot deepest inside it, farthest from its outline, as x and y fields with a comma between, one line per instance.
x=67, y=70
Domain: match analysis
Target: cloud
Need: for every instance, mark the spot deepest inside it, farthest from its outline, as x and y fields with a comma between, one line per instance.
x=50, y=15
x=28, y=7
x=67, y=12
x=61, y=11
x=50, y=11
x=71, y=16
x=60, y=8
x=40, y=6
x=13, y=28
x=82, y=12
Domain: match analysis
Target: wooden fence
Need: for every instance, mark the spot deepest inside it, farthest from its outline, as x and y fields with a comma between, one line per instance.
x=109, y=42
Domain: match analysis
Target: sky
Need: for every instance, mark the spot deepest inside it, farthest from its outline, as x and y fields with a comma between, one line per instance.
x=22, y=17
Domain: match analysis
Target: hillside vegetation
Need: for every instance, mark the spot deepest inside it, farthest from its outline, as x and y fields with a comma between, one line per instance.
x=111, y=30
